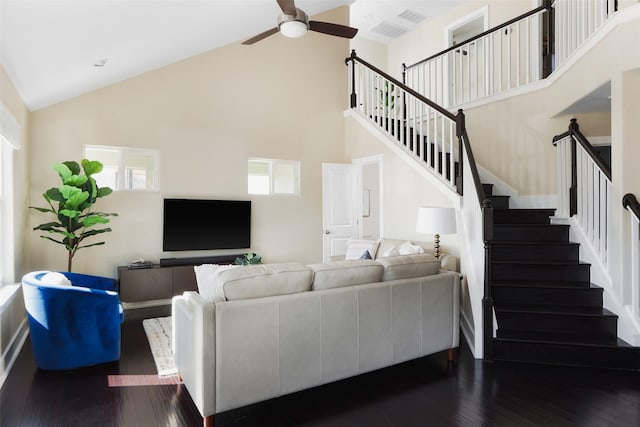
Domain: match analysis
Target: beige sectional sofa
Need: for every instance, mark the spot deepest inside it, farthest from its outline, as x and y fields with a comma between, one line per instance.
x=257, y=332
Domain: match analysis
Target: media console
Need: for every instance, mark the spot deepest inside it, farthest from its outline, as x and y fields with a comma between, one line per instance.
x=160, y=282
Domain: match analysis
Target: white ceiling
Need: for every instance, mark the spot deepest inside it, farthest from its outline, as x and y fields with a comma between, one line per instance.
x=49, y=47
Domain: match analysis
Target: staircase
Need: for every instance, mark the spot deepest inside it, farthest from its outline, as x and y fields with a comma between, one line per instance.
x=546, y=307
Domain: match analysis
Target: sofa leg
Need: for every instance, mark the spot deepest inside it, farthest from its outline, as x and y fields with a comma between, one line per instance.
x=209, y=421
x=451, y=354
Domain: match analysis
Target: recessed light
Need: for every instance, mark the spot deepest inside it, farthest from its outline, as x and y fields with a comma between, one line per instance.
x=100, y=62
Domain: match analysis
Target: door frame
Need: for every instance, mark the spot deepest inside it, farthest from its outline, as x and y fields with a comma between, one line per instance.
x=377, y=159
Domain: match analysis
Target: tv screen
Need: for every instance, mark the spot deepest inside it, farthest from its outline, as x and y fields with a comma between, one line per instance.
x=192, y=224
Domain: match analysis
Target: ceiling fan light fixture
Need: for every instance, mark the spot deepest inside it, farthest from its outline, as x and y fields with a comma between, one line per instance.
x=293, y=29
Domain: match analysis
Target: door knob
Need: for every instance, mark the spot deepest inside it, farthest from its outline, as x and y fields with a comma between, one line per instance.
x=327, y=232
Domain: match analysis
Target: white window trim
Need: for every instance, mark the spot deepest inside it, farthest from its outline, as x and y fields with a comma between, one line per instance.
x=272, y=163
x=121, y=175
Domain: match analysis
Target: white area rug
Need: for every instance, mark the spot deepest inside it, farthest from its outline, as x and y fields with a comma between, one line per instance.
x=158, y=332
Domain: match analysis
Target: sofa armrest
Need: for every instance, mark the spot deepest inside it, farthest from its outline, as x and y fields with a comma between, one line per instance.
x=194, y=348
x=449, y=262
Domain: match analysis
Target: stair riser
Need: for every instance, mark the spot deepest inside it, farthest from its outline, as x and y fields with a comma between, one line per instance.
x=488, y=189
x=503, y=295
x=551, y=233
x=522, y=216
x=500, y=202
x=558, y=323
x=567, y=354
x=538, y=253
x=570, y=272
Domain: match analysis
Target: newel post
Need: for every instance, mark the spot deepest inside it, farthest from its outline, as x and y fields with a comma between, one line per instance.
x=353, y=99
x=573, y=190
x=487, y=299
x=460, y=131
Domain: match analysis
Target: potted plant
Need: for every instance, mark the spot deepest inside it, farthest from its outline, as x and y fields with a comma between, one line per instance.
x=71, y=204
x=249, y=259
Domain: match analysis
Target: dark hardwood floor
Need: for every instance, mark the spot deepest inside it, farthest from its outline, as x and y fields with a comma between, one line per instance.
x=426, y=392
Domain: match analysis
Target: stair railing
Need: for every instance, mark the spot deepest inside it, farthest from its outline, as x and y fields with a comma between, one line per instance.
x=584, y=188
x=630, y=203
x=421, y=127
x=521, y=51
x=437, y=139
x=576, y=21
x=500, y=59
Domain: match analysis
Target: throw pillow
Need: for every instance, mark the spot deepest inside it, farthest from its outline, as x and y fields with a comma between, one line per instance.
x=407, y=248
x=365, y=255
x=55, y=278
x=207, y=280
x=356, y=248
x=392, y=251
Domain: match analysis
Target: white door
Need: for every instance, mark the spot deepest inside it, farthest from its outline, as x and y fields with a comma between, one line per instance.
x=340, y=207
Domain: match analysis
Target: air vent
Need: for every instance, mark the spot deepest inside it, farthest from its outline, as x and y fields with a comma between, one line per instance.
x=389, y=30
x=411, y=16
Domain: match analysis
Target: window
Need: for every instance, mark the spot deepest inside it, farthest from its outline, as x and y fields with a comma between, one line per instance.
x=273, y=177
x=125, y=169
x=10, y=139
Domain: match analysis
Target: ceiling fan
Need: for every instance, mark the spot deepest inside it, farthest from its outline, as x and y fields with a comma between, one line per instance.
x=294, y=23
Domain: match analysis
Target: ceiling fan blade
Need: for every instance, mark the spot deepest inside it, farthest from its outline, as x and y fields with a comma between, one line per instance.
x=260, y=36
x=288, y=7
x=333, y=29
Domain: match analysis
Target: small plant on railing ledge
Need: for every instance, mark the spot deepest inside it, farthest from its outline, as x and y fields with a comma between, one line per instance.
x=388, y=97
x=249, y=258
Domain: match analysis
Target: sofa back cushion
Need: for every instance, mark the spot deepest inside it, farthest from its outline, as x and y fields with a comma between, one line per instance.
x=408, y=266
x=263, y=280
x=345, y=273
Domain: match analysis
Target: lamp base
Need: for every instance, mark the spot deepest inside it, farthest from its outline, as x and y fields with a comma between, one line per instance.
x=436, y=246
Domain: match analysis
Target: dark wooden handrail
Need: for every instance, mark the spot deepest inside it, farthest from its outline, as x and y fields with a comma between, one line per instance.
x=629, y=201
x=405, y=88
x=489, y=31
x=574, y=130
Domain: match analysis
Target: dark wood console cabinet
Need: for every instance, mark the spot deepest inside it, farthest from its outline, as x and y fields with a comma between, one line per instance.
x=155, y=283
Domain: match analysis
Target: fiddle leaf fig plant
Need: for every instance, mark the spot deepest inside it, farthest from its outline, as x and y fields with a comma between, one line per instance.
x=72, y=206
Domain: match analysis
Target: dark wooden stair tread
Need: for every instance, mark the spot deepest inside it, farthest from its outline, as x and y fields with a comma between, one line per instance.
x=559, y=338
x=541, y=263
x=541, y=284
x=533, y=243
x=569, y=310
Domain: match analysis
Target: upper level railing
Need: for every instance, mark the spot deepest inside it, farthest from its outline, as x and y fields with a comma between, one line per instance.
x=630, y=202
x=509, y=56
x=584, y=188
x=575, y=21
x=438, y=140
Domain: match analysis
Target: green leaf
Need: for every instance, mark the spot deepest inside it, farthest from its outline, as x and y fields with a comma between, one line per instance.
x=93, y=220
x=104, y=191
x=44, y=210
x=52, y=239
x=73, y=167
x=76, y=180
x=67, y=190
x=91, y=167
x=63, y=170
x=75, y=200
x=48, y=226
x=93, y=244
x=69, y=213
x=90, y=233
x=54, y=194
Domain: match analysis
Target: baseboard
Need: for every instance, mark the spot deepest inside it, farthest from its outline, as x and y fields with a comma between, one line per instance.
x=13, y=350
x=468, y=332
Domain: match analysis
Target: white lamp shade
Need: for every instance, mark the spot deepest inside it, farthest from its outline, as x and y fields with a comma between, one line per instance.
x=436, y=220
x=293, y=29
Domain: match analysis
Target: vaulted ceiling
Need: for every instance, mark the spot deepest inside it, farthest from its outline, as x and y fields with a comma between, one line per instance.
x=54, y=50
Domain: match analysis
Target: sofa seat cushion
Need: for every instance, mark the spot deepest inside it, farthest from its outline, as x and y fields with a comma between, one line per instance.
x=408, y=266
x=264, y=280
x=345, y=273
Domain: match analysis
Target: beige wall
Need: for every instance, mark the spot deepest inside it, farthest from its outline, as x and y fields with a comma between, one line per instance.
x=430, y=37
x=373, y=52
x=280, y=98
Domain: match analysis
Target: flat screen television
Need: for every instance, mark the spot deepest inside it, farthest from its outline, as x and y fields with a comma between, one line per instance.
x=194, y=224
